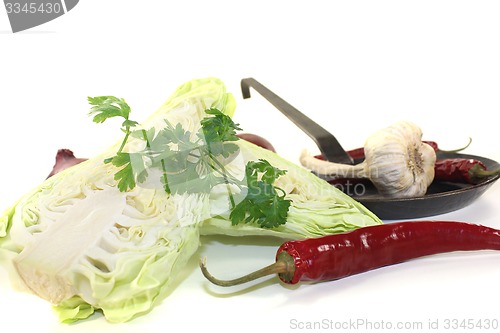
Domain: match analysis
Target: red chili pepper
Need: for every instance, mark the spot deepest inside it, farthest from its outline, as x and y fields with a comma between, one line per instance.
x=462, y=170
x=356, y=154
x=338, y=256
x=434, y=145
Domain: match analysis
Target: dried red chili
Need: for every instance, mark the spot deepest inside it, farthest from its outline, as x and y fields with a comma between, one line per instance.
x=341, y=255
x=462, y=170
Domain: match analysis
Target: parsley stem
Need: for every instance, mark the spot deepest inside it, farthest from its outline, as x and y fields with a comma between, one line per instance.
x=127, y=133
x=164, y=176
x=231, y=197
x=222, y=171
x=145, y=136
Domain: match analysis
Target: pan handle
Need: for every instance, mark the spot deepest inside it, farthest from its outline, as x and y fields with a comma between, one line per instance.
x=327, y=143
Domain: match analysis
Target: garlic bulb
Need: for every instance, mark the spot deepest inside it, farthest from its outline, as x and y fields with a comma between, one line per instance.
x=396, y=161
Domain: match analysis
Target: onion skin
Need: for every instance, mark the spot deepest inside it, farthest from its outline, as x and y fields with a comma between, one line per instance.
x=64, y=159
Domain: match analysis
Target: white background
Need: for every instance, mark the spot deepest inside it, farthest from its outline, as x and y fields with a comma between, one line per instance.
x=353, y=66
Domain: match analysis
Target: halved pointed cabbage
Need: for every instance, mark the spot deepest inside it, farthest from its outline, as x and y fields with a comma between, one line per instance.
x=80, y=243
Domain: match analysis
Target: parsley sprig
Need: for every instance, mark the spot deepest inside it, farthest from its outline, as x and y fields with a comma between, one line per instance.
x=264, y=203
x=105, y=107
x=194, y=162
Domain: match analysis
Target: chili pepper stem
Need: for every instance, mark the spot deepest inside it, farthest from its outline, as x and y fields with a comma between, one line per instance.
x=479, y=172
x=283, y=266
x=457, y=149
